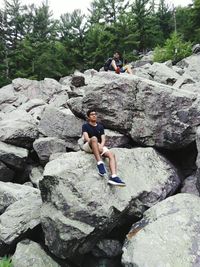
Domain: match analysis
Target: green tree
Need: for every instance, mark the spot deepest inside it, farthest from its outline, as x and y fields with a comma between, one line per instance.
x=141, y=14
x=72, y=29
x=107, y=11
x=165, y=17
x=174, y=49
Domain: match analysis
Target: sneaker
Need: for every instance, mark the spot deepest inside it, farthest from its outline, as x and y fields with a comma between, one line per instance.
x=101, y=169
x=116, y=181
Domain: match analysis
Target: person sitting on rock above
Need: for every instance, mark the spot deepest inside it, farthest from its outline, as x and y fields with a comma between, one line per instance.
x=94, y=142
x=117, y=65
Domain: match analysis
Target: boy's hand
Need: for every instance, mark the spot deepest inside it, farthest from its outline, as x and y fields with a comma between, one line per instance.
x=117, y=70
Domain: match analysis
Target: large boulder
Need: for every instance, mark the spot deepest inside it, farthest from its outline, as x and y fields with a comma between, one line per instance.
x=152, y=114
x=11, y=192
x=168, y=235
x=19, y=218
x=191, y=66
x=13, y=156
x=48, y=145
x=37, y=89
x=60, y=123
x=163, y=74
x=7, y=95
x=30, y=254
x=79, y=207
x=18, y=128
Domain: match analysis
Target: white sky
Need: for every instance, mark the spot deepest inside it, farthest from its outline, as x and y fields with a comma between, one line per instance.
x=63, y=6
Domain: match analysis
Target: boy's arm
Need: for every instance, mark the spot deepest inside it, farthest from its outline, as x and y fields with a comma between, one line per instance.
x=86, y=137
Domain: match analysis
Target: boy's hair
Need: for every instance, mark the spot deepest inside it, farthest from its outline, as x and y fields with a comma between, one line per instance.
x=90, y=111
x=117, y=52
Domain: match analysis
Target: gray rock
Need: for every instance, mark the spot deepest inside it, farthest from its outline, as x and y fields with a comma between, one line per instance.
x=47, y=146
x=192, y=87
x=196, y=49
x=127, y=104
x=18, y=218
x=59, y=100
x=30, y=254
x=180, y=71
x=7, y=95
x=37, y=89
x=78, y=81
x=75, y=215
x=13, y=156
x=184, y=79
x=10, y=193
x=36, y=175
x=60, y=123
x=31, y=104
x=189, y=185
x=115, y=139
x=163, y=74
x=18, y=128
x=191, y=66
x=143, y=72
x=6, y=174
x=168, y=235
x=107, y=248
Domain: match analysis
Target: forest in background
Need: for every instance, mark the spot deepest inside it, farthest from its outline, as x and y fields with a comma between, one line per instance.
x=34, y=45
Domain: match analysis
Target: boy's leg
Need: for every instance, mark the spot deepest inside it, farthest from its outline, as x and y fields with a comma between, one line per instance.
x=112, y=162
x=114, y=179
x=95, y=149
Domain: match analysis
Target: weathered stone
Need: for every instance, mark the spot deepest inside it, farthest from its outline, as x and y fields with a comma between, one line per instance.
x=37, y=89
x=127, y=104
x=18, y=128
x=47, y=146
x=115, y=139
x=13, y=156
x=10, y=193
x=184, y=79
x=168, y=235
x=78, y=81
x=191, y=66
x=79, y=214
x=107, y=248
x=59, y=100
x=7, y=95
x=18, y=218
x=36, y=175
x=60, y=123
x=196, y=49
x=6, y=174
x=189, y=185
x=163, y=74
x=30, y=254
x=31, y=104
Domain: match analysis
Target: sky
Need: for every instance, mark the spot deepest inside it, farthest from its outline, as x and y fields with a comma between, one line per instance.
x=63, y=6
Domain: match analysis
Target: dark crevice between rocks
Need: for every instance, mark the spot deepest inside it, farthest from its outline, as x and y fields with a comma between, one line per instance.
x=34, y=234
x=119, y=233
x=183, y=159
x=132, y=213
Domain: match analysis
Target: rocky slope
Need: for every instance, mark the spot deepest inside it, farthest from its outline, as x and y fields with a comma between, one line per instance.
x=52, y=201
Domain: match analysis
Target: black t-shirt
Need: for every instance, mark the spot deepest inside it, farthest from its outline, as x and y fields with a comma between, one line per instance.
x=118, y=63
x=97, y=130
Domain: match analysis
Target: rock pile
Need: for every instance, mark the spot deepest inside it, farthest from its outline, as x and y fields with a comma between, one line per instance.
x=152, y=119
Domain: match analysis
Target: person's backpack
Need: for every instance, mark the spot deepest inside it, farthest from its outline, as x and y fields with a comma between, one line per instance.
x=107, y=64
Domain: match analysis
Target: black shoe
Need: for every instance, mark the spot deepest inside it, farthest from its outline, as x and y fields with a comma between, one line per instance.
x=116, y=181
x=101, y=169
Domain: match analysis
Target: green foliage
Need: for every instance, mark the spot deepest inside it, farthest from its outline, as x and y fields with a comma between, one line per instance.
x=5, y=262
x=33, y=45
x=174, y=48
